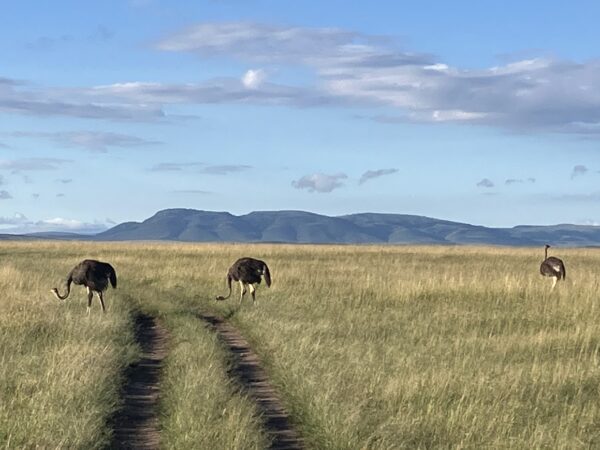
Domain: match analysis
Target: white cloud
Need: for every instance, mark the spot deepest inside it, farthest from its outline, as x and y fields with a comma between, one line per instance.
x=16, y=219
x=535, y=94
x=350, y=68
x=320, y=182
x=19, y=224
x=252, y=79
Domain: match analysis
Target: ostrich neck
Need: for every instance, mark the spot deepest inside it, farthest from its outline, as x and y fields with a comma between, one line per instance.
x=546, y=253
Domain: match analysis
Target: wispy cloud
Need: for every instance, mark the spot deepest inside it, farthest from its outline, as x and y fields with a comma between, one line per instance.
x=350, y=68
x=101, y=34
x=592, y=197
x=485, y=183
x=16, y=219
x=510, y=181
x=192, y=191
x=45, y=43
x=370, y=174
x=320, y=182
x=173, y=167
x=29, y=164
x=18, y=97
x=578, y=170
x=64, y=180
x=212, y=91
x=89, y=140
x=5, y=195
x=536, y=94
x=63, y=224
x=20, y=224
x=225, y=169
x=200, y=167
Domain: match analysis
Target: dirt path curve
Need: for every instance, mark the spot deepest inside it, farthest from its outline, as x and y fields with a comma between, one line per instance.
x=135, y=425
x=253, y=378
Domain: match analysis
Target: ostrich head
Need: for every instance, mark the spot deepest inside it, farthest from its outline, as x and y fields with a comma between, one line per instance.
x=547, y=246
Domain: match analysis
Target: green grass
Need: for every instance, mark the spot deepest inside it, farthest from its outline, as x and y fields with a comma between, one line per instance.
x=372, y=347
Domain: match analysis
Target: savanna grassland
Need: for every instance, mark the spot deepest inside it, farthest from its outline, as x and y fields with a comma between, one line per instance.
x=371, y=347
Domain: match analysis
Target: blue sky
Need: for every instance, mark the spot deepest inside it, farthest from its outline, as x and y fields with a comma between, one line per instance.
x=482, y=112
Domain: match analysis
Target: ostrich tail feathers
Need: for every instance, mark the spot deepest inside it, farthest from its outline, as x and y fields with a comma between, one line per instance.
x=267, y=275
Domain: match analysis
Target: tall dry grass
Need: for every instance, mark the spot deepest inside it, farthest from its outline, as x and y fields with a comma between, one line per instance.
x=432, y=347
x=60, y=371
x=372, y=347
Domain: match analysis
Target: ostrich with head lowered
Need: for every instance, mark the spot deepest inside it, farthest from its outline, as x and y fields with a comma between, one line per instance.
x=248, y=272
x=95, y=276
x=553, y=267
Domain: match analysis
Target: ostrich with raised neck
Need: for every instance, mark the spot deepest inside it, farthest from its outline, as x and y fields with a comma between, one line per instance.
x=95, y=276
x=248, y=272
x=553, y=267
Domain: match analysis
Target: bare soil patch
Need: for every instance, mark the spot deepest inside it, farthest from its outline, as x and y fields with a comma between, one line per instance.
x=252, y=377
x=135, y=425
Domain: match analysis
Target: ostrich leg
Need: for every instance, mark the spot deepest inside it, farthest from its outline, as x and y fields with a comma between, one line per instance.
x=101, y=297
x=243, y=290
x=90, y=295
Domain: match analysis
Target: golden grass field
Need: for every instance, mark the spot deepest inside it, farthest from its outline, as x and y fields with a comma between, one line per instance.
x=373, y=347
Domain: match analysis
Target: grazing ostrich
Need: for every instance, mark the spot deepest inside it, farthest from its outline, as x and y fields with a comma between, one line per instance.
x=553, y=267
x=247, y=271
x=92, y=274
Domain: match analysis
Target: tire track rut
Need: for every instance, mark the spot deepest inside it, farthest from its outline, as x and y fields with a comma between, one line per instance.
x=135, y=425
x=253, y=378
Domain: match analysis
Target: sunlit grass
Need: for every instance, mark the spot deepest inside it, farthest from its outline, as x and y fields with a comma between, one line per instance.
x=60, y=371
x=371, y=346
x=417, y=347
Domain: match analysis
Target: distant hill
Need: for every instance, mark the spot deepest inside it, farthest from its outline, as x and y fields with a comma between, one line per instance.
x=190, y=225
x=303, y=227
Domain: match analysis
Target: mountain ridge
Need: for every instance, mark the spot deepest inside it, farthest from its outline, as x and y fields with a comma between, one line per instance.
x=302, y=227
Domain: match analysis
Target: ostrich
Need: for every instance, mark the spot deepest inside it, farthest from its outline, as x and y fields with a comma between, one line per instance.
x=553, y=267
x=247, y=271
x=92, y=274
